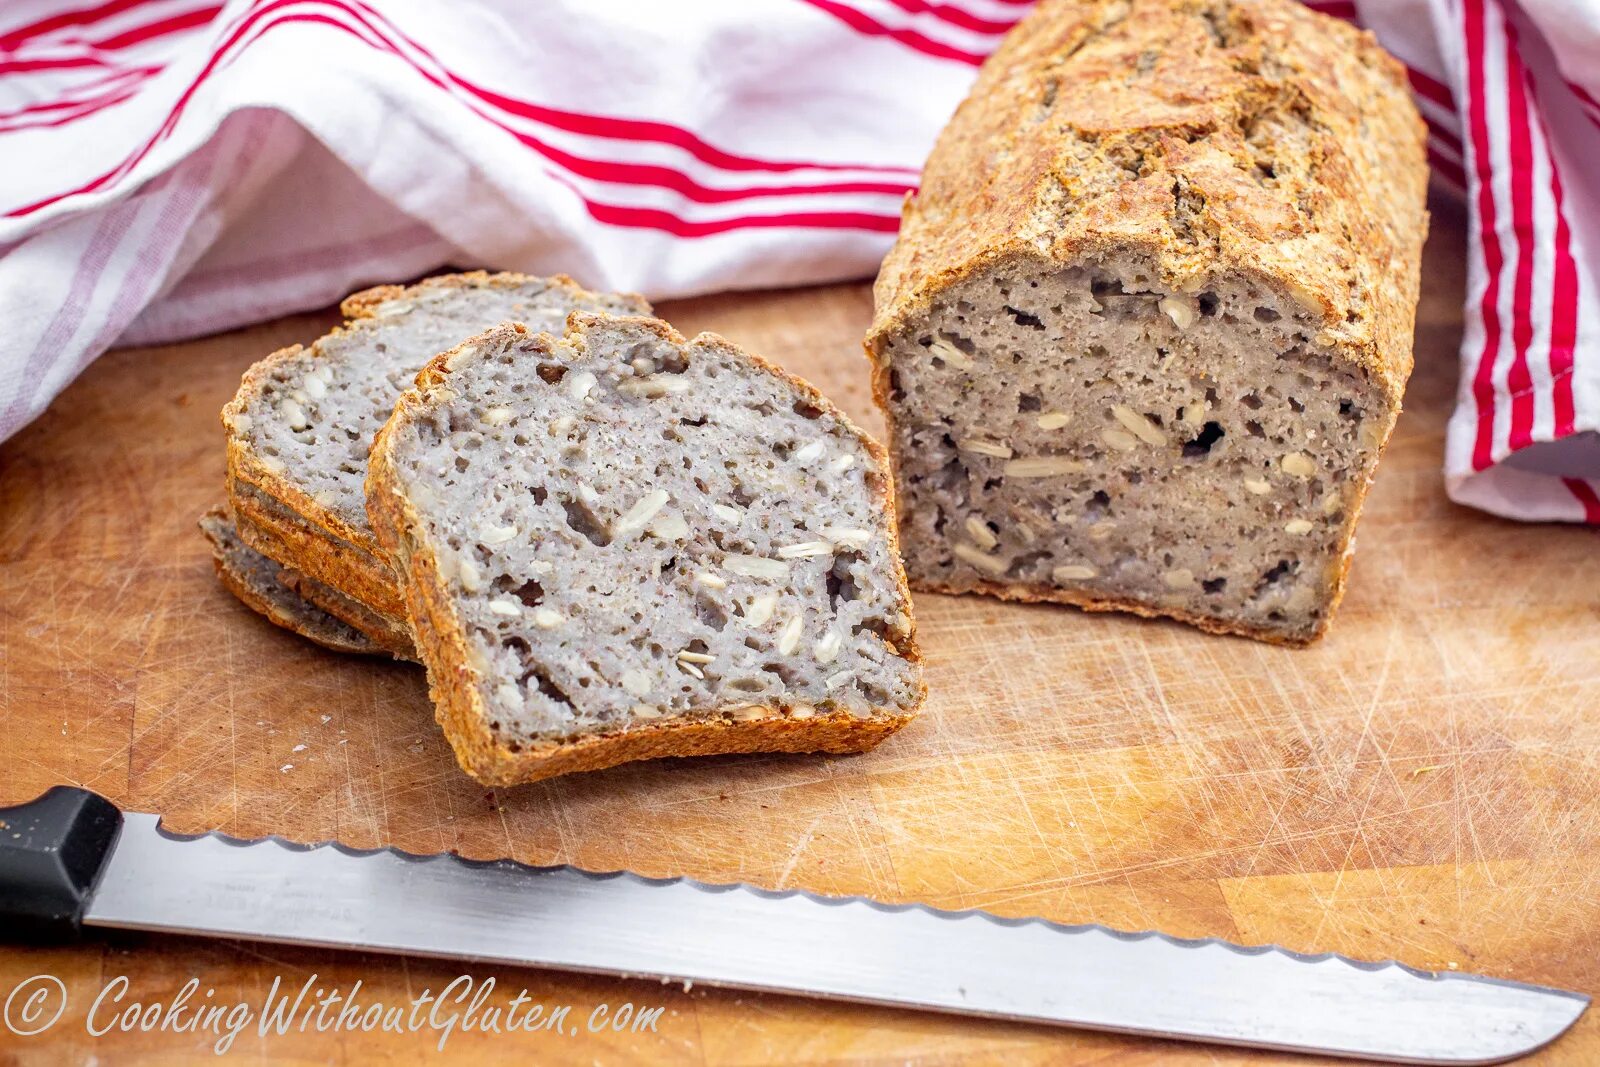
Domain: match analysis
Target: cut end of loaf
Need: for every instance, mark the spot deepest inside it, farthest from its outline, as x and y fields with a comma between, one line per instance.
x=624, y=545
x=1090, y=435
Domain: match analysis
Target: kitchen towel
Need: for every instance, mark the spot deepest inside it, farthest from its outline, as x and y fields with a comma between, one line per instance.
x=170, y=168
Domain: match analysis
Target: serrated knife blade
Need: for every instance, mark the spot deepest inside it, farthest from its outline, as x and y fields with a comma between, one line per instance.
x=852, y=949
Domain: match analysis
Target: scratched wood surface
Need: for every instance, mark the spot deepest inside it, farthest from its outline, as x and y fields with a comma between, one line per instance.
x=1422, y=785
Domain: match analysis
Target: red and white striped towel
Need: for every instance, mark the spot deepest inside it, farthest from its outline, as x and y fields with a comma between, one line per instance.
x=170, y=168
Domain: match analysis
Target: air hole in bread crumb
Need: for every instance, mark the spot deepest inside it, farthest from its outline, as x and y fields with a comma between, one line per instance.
x=1025, y=563
x=547, y=686
x=784, y=672
x=1267, y=315
x=1280, y=570
x=1030, y=402
x=876, y=695
x=806, y=409
x=1209, y=435
x=841, y=586
x=1022, y=318
x=551, y=373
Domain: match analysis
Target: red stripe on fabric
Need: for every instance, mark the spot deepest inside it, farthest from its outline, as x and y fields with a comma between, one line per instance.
x=1590, y=111
x=678, y=182
x=648, y=217
x=625, y=129
x=98, y=104
x=1474, y=20
x=1431, y=88
x=655, y=219
x=955, y=16
x=64, y=324
x=23, y=66
x=1447, y=168
x=1339, y=9
x=178, y=107
x=868, y=26
x=1564, y=298
x=1519, y=380
x=619, y=172
x=1439, y=132
x=161, y=28
x=119, y=84
x=1586, y=496
x=620, y=129
x=82, y=17
x=1586, y=102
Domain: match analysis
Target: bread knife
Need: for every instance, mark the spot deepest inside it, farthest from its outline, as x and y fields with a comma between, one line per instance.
x=70, y=860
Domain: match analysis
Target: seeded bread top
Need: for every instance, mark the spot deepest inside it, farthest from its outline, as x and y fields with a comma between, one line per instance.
x=1239, y=135
x=624, y=527
x=308, y=415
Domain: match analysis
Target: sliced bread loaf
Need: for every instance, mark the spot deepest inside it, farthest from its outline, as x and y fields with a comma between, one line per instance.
x=301, y=424
x=1146, y=327
x=259, y=583
x=622, y=545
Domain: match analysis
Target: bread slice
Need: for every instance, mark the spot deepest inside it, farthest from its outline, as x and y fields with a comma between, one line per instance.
x=303, y=419
x=386, y=632
x=622, y=545
x=1144, y=333
x=261, y=584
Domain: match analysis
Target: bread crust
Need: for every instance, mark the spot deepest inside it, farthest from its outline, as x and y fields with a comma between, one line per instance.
x=278, y=603
x=454, y=681
x=1127, y=130
x=388, y=632
x=312, y=537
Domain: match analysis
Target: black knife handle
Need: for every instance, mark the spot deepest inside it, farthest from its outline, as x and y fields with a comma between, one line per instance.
x=52, y=851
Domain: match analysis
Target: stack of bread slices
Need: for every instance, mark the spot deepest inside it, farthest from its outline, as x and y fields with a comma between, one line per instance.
x=604, y=542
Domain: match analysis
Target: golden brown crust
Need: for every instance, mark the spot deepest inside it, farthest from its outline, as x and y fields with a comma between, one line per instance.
x=453, y=679
x=1248, y=136
x=297, y=598
x=268, y=597
x=1253, y=138
x=317, y=540
x=391, y=635
x=272, y=529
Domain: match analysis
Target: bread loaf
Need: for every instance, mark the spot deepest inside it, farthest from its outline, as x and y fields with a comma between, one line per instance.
x=622, y=545
x=1145, y=331
x=303, y=419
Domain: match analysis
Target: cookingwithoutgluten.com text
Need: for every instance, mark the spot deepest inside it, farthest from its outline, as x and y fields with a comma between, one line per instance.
x=38, y=1005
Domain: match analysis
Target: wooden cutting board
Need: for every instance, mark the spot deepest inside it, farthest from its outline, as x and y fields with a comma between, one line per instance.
x=1422, y=785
